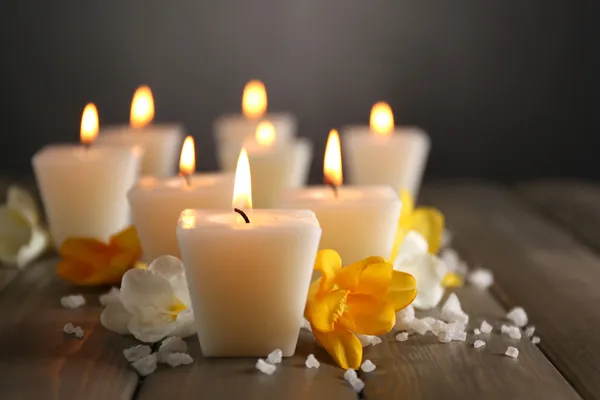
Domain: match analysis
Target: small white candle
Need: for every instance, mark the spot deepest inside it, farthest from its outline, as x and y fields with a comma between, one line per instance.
x=248, y=280
x=231, y=131
x=160, y=142
x=357, y=221
x=83, y=187
x=156, y=204
x=382, y=155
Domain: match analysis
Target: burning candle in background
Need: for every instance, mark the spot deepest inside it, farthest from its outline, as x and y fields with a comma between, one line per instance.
x=232, y=130
x=160, y=142
x=156, y=204
x=83, y=187
x=357, y=221
x=384, y=155
x=248, y=273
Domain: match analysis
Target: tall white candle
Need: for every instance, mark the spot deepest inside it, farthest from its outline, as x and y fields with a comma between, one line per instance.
x=357, y=221
x=382, y=155
x=84, y=187
x=156, y=204
x=160, y=142
x=248, y=280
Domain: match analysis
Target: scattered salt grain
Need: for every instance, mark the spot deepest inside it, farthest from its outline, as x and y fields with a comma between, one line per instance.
x=265, y=367
x=137, y=352
x=402, y=337
x=478, y=344
x=78, y=332
x=173, y=344
x=512, y=352
x=146, y=365
x=444, y=337
x=481, y=278
x=373, y=340
x=452, y=310
x=275, y=356
x=69, y=328
x=485, y=327
x=420, y=326
x=312, y=362
x=517, y=316
x=404, y=317
x=530, y=331
x=476, y=331
x=535, y=340
x=113, y=295
x=450, y=259
x=459, y=336
x=306, y=325
x=429, y=320
x=368, y=366
x=177, y=359
x=357, y=384
x=437, y=326
x=512, y=331
x=72, y=301
x=350, y=374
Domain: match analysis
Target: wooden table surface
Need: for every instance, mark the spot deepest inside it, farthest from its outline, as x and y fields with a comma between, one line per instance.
x=542, y=241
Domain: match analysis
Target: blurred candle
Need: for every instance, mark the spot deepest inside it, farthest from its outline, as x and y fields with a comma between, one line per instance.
x=248, y=273
x=385, y=155
x=156, y=204
x=357, y=221
x=160, y=142
x=83, y=187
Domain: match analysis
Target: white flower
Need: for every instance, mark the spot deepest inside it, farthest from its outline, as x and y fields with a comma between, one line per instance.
x=154, y=303
x=22, y=238
x=414, y=258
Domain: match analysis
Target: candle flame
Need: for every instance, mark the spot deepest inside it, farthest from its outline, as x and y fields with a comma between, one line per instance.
x=242, y=189
x=254, y=99
x=265, y=133
x=142, y=107
x=382, y=119
x=332, y=166
x=89, y=124
x=187, y=162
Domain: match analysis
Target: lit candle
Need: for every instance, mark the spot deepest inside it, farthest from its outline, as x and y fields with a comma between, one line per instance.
x=156, y=204
x=385, y=155
x=357, y=221
x=248, y=273
x=83, y=187
x=232, y=130
x=160, y=142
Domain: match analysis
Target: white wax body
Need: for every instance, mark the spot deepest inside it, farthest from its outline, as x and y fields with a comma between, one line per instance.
x=360, y=222
x=397, y=160
x=248, y=282
x=233, y=129
x=156, y=205
x=84, y=191
x=161, y=145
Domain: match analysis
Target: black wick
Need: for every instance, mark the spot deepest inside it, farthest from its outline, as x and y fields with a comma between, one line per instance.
x=243, y=214
x=86, y=147
x=333, y=187
x=188, y=181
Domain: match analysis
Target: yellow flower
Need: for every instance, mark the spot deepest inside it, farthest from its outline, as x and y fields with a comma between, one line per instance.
x=86, y=261
x=361, y=298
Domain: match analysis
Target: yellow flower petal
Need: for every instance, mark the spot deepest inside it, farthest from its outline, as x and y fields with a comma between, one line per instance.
x=126, y=240
x=452, y=280
x=368, y=315
x=343, y=346
x=429, y=222
x=325, y=309
x=404, y=222
x=402, y=290
x=327, y=263
x=369, y=276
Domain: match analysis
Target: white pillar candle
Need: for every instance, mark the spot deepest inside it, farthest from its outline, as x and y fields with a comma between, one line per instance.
x=84, y=188
x=156, y=204
x=160, y=142
x=382, y=155
x=248, y=280
x=357, y=221
x=276, y=165
x=232, y=130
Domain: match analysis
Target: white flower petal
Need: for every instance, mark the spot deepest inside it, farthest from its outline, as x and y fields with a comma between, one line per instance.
x=115, y=318
x=185, y=324
x=146, y=294
x=20, y=200
x=150, y=331
x=429, y=273
x=38, y=243
x=171, y=268
x=14, y=234
x=414, y=245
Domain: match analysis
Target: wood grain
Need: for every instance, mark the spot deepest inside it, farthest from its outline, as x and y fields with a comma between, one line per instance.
x=40, y=361
x=536, y=265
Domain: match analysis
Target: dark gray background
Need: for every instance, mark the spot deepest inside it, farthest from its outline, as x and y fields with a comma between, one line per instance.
x=504, y=87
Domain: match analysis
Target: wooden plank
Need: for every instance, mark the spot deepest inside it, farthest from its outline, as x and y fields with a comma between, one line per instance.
x=424, y=368
x=536, y=265
x=40, y=361
x=231, y=378
x=574, y=204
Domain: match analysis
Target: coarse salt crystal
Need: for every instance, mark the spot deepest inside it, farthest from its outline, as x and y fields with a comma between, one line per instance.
x=437, y=326
x=535, y=340
x=78, y=332
x=476, y=331
x=72, y=301
x=512, y=331
x=530, y=331
x=306, y=325
x=402, y=337
x=450, y=259
x=275, y=356
x=517, y=316
x=368, y=340
x=459, y=336
x=452, y=310
x=177, y=359
x=419, y=326
x=312, y=362
x=350, y=374
x=485, y=327
x=357, y=384
x=374, y=340
x=404, y=317
x=265, y=367
x=146, y=365
x=137, y=352
x=69, y=328
x=512, y=352
x=173, y=344
x=444, y=337
x=478, y=344
x=368, y=366
x=113, y=294
x=481, y=278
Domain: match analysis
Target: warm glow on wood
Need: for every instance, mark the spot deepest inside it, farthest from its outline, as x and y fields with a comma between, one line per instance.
x=142, y=107
x=332, y=166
